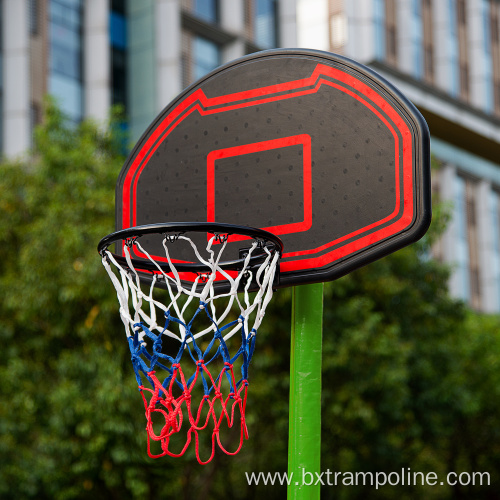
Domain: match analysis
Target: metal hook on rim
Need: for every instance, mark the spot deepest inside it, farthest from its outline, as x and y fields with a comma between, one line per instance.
x=172, y=238
x=130, y=241
x=220, y=238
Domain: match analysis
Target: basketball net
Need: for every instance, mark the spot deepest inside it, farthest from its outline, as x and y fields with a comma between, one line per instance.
x=182, y=348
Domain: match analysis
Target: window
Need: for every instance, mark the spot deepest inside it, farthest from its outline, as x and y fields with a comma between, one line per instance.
x=453, y=48
x=34, y=16
x=119, y=6
x=488, y=61
x=472, y=239
x=118, y=30
x=379, y=22
x=417, y=38
x=467, y=258
x=206, y=56
x=462, y=245
x=119, y=44
x=199, y=56
x=65, y=78
x=494, y=206
x=206, y=10
x=264, y=22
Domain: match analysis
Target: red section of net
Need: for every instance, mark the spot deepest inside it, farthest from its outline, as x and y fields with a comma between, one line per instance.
x=176, y=413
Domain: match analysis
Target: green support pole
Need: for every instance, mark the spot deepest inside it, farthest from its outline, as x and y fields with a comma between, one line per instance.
x=304, y=443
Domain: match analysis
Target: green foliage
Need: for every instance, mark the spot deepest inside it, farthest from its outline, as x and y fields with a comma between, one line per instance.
x=411, y=377
x=65, y=417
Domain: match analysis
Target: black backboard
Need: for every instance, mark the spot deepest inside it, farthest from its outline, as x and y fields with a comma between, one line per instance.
x=308, y=145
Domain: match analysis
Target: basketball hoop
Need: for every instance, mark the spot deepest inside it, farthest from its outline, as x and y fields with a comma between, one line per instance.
x=181, y=346
x=309, y=145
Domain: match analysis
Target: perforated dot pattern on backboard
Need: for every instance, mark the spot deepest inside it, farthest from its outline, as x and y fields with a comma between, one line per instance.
x=310, y=146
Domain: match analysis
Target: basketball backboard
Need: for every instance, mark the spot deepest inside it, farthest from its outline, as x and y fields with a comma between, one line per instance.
x=311, y=146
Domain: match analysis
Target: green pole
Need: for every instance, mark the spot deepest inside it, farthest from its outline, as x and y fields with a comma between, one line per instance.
x=304, y=442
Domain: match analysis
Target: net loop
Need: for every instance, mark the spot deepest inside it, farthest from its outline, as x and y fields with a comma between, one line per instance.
x=187, y=365
x=171, y=238
x=130, y=241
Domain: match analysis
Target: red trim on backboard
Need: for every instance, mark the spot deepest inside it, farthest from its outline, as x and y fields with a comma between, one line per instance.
x=302, y=139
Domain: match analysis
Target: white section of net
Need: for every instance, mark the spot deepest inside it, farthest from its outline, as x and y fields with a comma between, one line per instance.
x=139, y=305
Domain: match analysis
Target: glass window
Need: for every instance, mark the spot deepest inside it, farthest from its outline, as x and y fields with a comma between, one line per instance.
x=65, y=79
x=379, y=19
x=119, y=6
x=64, y=15
x=206, y=56
x=266, y=23
x=486, y=26
x=462, y=244
x=74, y=4
x=69, y=95
x=495, y=227
x=206, y=9
x=118, y=28
x=34, y=16
x=64, y=62
x=119, y=77
x=453, y=48
x=488, y=63
x=417, y=38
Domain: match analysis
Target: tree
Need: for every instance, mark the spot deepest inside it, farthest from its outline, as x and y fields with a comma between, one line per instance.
x=410, y=376
x=65, y=422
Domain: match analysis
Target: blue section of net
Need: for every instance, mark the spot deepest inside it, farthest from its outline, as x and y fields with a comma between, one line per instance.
x=148, y=357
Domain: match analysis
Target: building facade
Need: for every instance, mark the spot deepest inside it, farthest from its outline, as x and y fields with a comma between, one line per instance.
x=444, y=55
x=91, y=54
